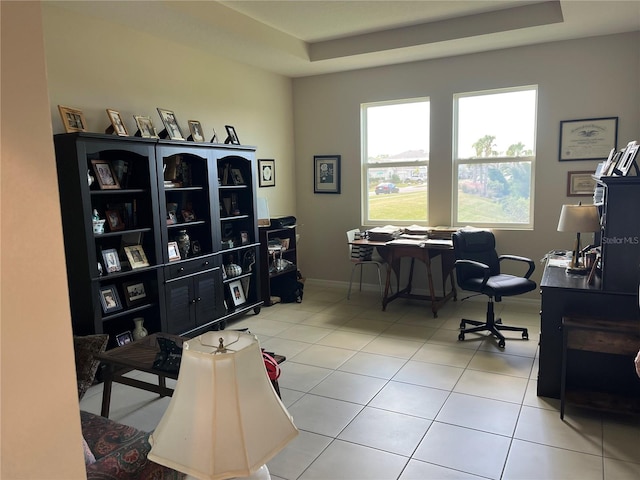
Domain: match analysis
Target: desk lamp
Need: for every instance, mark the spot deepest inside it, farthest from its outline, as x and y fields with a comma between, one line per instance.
x=578, y=218
x=225, y=419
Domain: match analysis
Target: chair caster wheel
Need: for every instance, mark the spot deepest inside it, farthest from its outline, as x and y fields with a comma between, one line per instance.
x=501, y=343
x=461, y=337
x=525, y=335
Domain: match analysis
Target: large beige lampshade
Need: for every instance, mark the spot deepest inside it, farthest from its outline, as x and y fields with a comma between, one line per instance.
x=224, y=419
x=579, y=218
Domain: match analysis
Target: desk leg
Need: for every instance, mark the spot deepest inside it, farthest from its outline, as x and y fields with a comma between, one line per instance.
x=106, y=391
x=162, y=383
x=432, y=291
x=387, y=284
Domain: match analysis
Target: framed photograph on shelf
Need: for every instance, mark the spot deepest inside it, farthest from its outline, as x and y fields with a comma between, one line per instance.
x=214, y=139
x=134, y=293
x=105, y=175
x=580, y=184
x=244, y=237
x=627, y=159
x=111, y=260
x=109, y=299
x=136, y=256
x=114, y=220
x=145, y=127
x=72, y=119
x=170, y=124
x=588, y=139
x=174, y=253
x=117, y=124
x=124, y=338
x=197, y=135
x=267, y=172
x=237, y=177
x=237, y=293
x=188, y=216
x=326, y=174
x=232, y=136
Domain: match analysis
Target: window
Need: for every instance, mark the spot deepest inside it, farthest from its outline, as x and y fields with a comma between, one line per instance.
x=395, y=159
x=494, y=155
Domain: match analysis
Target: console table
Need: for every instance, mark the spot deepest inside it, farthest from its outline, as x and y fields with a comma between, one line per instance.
x=570, y=296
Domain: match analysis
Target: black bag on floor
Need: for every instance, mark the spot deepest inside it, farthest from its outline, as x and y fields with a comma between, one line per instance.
x=288, y=288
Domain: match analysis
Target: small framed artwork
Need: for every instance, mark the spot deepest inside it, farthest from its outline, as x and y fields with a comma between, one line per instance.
x=172, y=218
x=145, y=127
x=174, y=253
x=170, y=124
x=124, y=338
x=237, y=293
x=117, y=124
x=580, y=184
x=111, y=260
x=136, y=256
x=627, y=159
x=267, y=169
x=232, y=136
x=244, y=237
x=588, y=139
x=114, y=220
x=134, y=293
x=109, y=299
x=326, y=174
x=214, y=139
x=72, y=119
x=197, y=135
x=104, y=173
x=188, y=216
x=196, y=248
x=237, y=177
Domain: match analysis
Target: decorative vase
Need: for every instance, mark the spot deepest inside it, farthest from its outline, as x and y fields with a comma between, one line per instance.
x=233, y=270
x=139, y=331
x=184, y=243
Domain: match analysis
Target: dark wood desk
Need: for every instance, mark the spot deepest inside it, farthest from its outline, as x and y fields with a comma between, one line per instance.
x=139, y=355
x=393, y=253
x=565, y=295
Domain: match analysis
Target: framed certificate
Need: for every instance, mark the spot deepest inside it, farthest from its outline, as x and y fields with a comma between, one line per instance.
x=588, y=139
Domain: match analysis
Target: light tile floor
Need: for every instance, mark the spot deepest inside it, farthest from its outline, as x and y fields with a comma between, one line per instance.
x=395, y=395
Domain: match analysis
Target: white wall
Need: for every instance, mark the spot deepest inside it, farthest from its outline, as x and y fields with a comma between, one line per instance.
x=595, y=77
x=40, y=416
x=93, y=65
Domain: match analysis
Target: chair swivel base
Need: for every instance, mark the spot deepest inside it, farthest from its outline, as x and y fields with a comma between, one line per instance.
x=492, y=325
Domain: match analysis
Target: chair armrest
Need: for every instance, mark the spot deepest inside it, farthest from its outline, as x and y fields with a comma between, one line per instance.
x=532, y=265
x=486, y=271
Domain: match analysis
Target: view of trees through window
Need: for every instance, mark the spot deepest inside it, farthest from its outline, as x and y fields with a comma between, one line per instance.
x=395, y=160
x=493, y=157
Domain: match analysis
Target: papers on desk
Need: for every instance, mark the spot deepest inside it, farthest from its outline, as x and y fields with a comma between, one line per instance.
x=421, y=243
x=384, y=234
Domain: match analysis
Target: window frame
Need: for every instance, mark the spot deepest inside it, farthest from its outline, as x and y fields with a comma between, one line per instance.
x=457, y=162
x=366, y=166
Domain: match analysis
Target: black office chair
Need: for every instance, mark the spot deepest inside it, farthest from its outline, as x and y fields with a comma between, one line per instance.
x=478, y=270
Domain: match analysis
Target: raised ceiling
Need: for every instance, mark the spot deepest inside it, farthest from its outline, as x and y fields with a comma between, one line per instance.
x=310, y=37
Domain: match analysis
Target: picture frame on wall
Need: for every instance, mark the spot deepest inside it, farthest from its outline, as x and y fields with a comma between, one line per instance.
x=580, y=184
x=232, y=136
x=171, y=127
x=136, y=256
x=105, y=175
x=109, y=299
x=145, y=127
x=72, y=119
x=326, y=174
x=135, y=293
x=588, y=138
x=237, y=293
x=117, y=124
x=197, y=134
x=266, y=172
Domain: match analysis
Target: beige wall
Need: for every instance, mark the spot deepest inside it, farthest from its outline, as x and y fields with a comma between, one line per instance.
x=588, y=78
x=39, y=404
x=93, y=65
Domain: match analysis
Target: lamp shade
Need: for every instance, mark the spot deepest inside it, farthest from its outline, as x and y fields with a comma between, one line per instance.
x=579, y=218
x=224, y=419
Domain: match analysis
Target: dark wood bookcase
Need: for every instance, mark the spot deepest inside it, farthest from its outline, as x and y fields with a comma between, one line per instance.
x=165, y=189
x=277, y=244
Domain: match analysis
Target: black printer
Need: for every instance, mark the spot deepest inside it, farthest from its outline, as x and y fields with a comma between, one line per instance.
x=282, y=222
